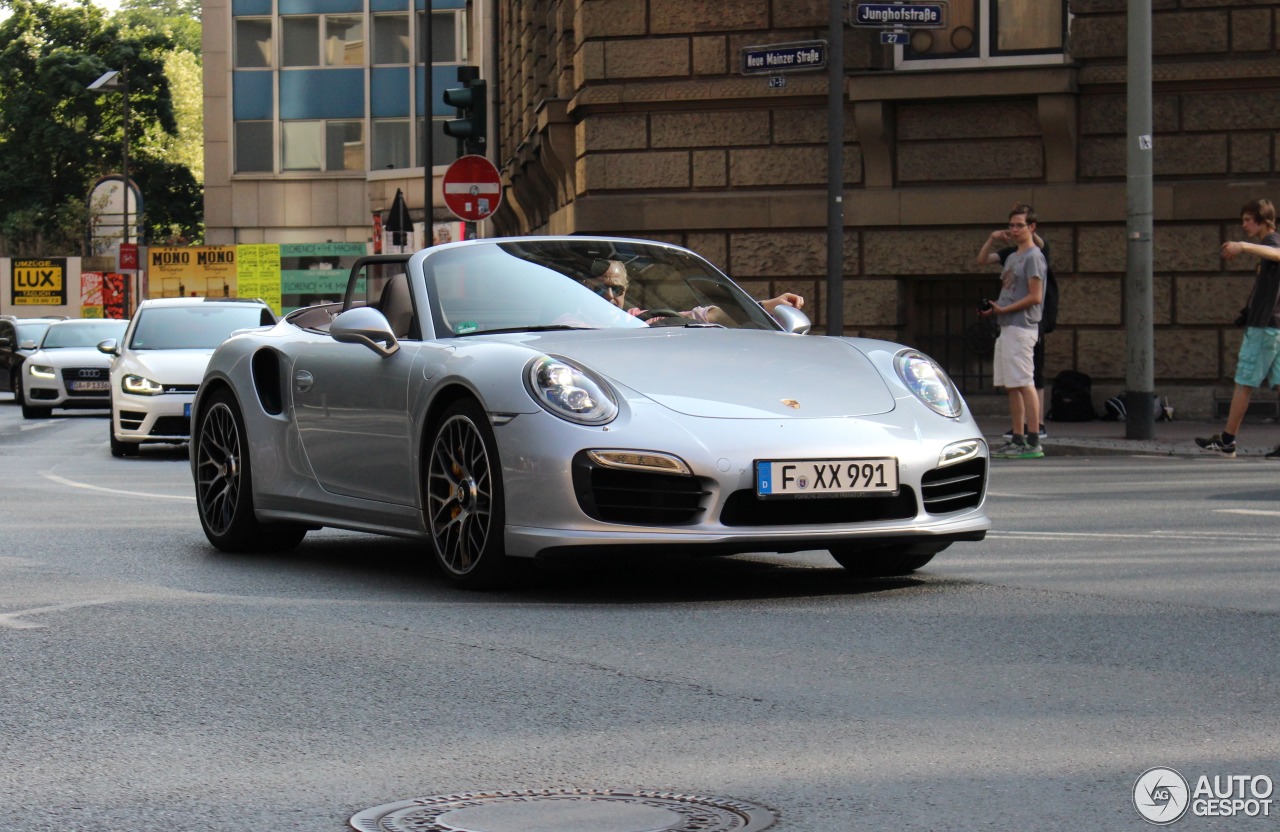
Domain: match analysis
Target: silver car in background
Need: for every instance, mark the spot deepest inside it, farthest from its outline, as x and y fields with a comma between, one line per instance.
x=158, y=365
x=510, y=399
x=68, y=371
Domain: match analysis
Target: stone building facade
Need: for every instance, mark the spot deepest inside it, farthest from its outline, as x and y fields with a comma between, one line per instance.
x=632, y=117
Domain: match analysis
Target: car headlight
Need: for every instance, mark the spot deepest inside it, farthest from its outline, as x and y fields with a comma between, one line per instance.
x=140, y=386
x=569, y=391
x=42, y=371
x=929, y=382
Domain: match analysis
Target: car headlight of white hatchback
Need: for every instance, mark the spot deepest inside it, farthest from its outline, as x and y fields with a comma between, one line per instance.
x=570, y=391
x=42, y=371
x=139, y=386
x=929, y=382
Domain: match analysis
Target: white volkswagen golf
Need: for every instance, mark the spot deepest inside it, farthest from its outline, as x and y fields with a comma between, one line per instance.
x=158, y=366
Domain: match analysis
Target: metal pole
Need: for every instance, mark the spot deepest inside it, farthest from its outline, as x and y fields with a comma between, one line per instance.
x=1139, y=331
x=428, y=149
x=128, y=188
x=835, y=168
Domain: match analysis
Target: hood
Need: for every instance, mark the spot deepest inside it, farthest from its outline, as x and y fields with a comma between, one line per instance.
x=738, y=374
x=171, y=366
x=71, y=357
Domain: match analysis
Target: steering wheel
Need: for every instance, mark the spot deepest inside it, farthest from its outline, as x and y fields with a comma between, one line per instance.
x=650, y=314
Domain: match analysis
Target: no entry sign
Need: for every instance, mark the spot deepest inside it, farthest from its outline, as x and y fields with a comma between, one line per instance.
x=472, y=189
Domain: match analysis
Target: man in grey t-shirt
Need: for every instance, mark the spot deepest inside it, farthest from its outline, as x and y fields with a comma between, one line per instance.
x=1018, y=311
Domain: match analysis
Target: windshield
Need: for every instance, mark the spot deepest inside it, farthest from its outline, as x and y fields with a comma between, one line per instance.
x=81, y=334
x=31, y=332
x=194, y=327
x=588, y=284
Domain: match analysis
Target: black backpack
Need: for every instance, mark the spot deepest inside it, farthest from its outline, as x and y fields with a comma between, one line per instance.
x=1072, y=398
x=1049, y=312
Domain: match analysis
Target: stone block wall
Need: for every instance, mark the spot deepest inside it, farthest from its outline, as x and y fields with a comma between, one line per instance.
x=655, y=132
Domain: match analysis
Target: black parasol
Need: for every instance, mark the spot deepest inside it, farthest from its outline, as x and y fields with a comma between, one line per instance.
x=398, y=222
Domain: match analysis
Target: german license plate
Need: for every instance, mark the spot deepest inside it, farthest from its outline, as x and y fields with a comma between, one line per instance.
x=90, y=385
x=875, y=477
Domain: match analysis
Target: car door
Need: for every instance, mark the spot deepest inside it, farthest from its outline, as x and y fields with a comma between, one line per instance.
x=351, y=406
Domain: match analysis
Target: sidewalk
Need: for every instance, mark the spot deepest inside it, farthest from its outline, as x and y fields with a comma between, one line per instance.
x=1176, y=438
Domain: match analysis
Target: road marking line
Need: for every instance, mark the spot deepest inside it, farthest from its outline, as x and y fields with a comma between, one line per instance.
x=1253, y=511
x=74, y=484
x=1241, y=536
x=10, y=619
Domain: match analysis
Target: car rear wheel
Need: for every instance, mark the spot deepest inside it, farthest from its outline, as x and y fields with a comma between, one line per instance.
x=224, y=484
x=885, y=561
x=463, y=499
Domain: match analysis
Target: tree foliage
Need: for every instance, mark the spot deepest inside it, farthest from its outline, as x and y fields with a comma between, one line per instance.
x=57, y=137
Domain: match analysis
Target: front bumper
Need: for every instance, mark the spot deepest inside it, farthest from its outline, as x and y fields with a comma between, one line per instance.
x=162, y=418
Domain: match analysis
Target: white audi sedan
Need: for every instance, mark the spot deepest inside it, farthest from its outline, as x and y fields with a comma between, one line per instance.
x=158, y=366
x=68, y=371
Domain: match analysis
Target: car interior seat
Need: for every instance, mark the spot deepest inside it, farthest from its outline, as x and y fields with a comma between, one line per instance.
x=397, y=306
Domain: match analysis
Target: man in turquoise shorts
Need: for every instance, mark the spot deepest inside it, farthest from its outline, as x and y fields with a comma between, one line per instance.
x=1259, y=359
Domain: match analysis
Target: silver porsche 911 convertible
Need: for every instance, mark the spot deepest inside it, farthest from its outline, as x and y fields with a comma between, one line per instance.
x=511, y=399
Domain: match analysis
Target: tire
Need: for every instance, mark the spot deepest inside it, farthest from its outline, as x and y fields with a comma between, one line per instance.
x=31, y=412
x=885, y=561
x=463, y=500
x=224, y=484
x=15, y=385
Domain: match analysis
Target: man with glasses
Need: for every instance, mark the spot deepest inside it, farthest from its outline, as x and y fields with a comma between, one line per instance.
x=613, y=283
x=1018, y=310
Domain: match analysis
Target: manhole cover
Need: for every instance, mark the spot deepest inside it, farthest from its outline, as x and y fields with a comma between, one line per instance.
x=568, y=810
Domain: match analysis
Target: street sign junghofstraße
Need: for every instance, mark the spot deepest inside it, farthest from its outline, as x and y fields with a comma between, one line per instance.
x=908, y=15
x=770, y=59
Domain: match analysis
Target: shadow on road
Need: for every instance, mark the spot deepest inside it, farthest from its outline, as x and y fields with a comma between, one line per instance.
x=612, y=579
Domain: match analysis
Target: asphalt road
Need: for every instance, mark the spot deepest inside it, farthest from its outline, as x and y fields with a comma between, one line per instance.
x=1122, y=616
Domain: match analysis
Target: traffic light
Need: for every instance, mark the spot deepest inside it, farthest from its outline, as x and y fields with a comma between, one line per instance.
x=472, y=104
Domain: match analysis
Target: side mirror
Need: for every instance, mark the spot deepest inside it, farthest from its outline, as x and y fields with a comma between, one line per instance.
x=28, y=345
x=365, y=325
x=792, y=319
x=108, y=347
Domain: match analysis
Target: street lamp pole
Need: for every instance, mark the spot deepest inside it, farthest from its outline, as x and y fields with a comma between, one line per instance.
x=115, y=81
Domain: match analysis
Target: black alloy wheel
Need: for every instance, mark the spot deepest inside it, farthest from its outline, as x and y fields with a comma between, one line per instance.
x=224, y=484
x=463, y=499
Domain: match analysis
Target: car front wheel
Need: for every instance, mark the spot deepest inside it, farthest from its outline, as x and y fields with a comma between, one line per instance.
x=463, y=499
x=118, y=448
x=224, y=484
x=885, y=561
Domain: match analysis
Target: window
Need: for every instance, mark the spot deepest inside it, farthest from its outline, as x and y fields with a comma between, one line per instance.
x=300, y=40
x=447, y=45
x=253, y=42
x=391, y=39
x=390, y=144
x=343, y=41
x=253, y=147
x=990, y=32
x=322, y=145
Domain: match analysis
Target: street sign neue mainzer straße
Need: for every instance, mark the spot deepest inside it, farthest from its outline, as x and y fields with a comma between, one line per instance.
x=770, y=59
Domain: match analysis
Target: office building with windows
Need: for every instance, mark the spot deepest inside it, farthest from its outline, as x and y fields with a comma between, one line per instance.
x=314, y=112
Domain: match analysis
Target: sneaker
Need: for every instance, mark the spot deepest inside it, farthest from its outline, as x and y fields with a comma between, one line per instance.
x=1008, y=435
x=1275, y=454
x=1030, y=452
x=1215, y=445
x=1010, y=450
